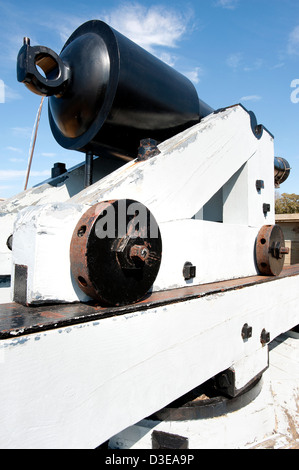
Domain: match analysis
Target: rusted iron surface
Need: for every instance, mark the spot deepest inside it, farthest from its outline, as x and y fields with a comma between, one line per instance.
x=17, y=320
x=79, y=244
x=148, y=149
x=205, y=402
x=116, y=252
x=270, y=250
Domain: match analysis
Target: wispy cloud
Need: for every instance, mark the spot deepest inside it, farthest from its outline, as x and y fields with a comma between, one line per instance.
x=193, y=75
x=24, y=132
x=278, y=66
x=150, y=27
x=67, y=27
x=236, y=61
x=6, y=187
x=251, y=98
x=257, y=65
x=227, y=4
x=233, y=61
x=157, y=28
x=293, y=44
x=7, y=93
x=48, y=154
x=15, y=174
x=16, y=160
x=14, y=149
x=10, y=94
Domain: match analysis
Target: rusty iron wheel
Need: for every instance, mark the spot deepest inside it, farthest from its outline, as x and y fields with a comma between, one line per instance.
x=121, y=267
x=270, y=250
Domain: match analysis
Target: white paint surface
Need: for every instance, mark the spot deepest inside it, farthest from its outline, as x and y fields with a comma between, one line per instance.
x=220, y=155
x=271, y=421
x=78, y=386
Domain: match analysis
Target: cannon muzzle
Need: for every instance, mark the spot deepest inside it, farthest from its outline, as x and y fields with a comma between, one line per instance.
x=42, y=70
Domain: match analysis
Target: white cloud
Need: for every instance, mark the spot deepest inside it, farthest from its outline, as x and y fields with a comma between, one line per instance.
x=168, y=58
x=2, y=92
x=24, y=132
x=12, y=174
x=234, y=60
x=5, y=187
x=228, y=4
x=278, y=66
x=293, y=45
x=14, y=149
x=68, y=26
x=7, y=93
x=251, y=98
x=48, y=154
x=156, y=28
x=257, y=64
x=193, y=75
x=11, y=94
x=16, y=160
x=151, y=26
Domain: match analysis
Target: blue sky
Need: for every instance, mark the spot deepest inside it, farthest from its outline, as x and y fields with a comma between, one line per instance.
x=233, y=50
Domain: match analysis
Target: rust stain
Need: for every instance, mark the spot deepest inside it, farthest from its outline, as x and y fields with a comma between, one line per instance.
x=27, y=318
x=292, y=427
x=51, y=314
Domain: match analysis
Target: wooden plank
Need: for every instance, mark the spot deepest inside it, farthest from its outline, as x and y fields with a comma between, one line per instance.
x=19, y=320
x=272, y=419
x=286, y=218
x=78, y=385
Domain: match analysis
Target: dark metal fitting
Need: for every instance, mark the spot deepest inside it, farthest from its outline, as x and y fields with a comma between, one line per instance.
x=148, y=148
x=140, y=252
x=102, y=266
x=266, y=208
x=189, y=271
x=269, y=250
x=58, y=169
x=259, y=185
x=32, y=60
x=265, y=337
x=258, y=130
x=223, y=381
x=278, y=251
x=246, y=331
x=165, y=440
x=131, y=255
x=9, y=242
x=281, y=171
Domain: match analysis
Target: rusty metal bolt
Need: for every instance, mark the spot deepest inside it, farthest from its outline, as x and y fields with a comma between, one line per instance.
x=246, y=331
x=148, y=148
x=265, y=337
x=189, y=271
x=140, y=252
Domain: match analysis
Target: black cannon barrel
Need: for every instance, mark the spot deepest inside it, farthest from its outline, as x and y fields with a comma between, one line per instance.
x=107, y=93
x=281, y=171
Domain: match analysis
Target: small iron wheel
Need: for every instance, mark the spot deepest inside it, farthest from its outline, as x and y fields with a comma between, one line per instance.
x=270, y=250
x=116, y=252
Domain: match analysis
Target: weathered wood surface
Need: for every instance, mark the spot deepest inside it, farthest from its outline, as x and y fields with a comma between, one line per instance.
x=270, y=421
x=18, y=320
x=78, y=384
x=289, y=224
